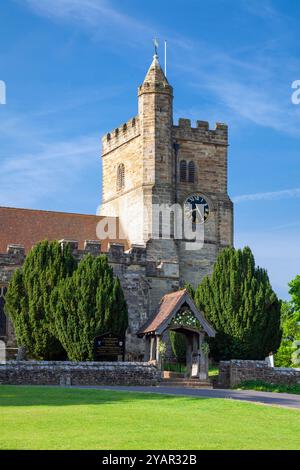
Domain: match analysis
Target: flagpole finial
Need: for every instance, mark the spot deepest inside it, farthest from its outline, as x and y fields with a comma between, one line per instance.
x=155, y=42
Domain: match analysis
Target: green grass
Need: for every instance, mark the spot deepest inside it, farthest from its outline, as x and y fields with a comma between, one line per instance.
x=213, y=371
x=265, y=387
x=62, y=418
x=174, y=367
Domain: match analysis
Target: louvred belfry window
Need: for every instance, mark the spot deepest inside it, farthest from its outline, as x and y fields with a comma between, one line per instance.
x=183, y=168
x=191, y=169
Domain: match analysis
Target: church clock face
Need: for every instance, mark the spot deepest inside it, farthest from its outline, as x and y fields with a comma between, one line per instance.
x=196, y=208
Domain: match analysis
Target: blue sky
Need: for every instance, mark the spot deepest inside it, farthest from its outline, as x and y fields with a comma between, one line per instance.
x=72, y=68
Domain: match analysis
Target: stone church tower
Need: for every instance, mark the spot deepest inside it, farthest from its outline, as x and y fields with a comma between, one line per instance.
x=149, y=165
x=149, y=161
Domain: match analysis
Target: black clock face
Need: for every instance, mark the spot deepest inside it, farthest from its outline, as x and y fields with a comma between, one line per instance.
x=196, y=208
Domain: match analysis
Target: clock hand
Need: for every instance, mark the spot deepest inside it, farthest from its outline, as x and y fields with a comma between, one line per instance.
x=199, y=212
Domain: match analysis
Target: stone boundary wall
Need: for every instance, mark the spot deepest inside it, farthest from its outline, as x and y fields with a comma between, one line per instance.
x=78, y=373
x=233, y=372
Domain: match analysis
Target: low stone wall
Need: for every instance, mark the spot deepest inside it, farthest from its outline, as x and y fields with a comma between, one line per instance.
x=78, y=373
x=232, y=373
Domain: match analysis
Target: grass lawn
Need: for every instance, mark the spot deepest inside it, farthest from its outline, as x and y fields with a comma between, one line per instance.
x=265, y=387
x=62, y=418
x=213, y=371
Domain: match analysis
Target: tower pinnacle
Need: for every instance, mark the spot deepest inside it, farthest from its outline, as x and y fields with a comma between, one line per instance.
x=155, y=78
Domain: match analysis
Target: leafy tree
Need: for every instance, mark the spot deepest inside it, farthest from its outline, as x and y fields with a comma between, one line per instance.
x=89, y=303
x=290, y=324
x=239, y=302
x=27, y=300
x=294, y=291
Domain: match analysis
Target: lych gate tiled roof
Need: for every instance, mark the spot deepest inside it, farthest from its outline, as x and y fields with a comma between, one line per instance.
x=166, y=307
x=27, y=227
x=169, y=305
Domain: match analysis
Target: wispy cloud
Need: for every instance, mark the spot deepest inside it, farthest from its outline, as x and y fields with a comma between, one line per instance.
x=251, y=85
x=264, y=9
x=41, y=161
x=268, y=196
x=255, y=88
x=50, y=169
x=99, y=17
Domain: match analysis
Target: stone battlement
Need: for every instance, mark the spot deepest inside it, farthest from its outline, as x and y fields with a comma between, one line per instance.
x=135, y=256
x=202, y=133
x=15, y=255
x=119, y=136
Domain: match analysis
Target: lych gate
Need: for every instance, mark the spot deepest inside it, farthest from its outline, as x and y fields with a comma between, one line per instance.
x=178, y=312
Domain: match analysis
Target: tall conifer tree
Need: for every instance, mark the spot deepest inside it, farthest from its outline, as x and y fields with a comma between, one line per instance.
x=27, y=300
x=239, y=302
x=89, y=303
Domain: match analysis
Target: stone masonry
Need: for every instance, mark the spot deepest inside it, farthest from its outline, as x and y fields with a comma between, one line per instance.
x=151, y=148
x=234, y=372
x=78, y=373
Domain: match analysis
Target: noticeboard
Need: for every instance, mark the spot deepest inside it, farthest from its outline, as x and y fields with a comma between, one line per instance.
x=109, y=347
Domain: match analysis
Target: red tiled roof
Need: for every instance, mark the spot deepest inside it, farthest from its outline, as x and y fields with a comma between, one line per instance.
x=166, y=307
x=27, y=227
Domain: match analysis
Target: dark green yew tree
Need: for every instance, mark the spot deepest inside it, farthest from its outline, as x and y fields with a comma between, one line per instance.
x=27, y=301
x=239, y=302
x=89, y=303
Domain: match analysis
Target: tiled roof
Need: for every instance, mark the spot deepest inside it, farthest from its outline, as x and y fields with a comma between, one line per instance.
x=166, y=307
x=27, y=227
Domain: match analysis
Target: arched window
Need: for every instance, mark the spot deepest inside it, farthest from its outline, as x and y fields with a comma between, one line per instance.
x=183, y=170
x=3, y=320
x=121, y=176
x=191, y=168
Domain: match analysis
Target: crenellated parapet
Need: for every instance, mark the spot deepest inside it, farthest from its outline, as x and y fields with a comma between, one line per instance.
x=201, y=133
x=119, y=136
x=10, y=261
x=117, y=256
x=14, y=256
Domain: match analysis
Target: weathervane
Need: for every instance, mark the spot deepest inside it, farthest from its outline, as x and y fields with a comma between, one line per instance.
x=155, y=42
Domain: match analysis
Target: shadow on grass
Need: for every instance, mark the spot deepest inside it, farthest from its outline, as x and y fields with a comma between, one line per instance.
x=19, y=395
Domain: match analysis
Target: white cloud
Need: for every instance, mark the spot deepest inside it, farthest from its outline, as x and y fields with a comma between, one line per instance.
x=254, y=89
x=50, y=169
x=268, y=196
x=97, y=16
x=264, y=9
x=36, y=163
x=254, y=84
